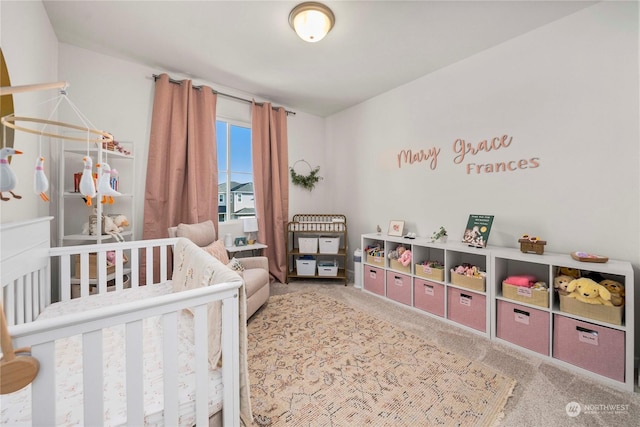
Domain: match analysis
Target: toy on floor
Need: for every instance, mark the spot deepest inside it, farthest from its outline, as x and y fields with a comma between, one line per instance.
x=617, y=291
x=8, y=180
x=587, y=291
x=40, y=180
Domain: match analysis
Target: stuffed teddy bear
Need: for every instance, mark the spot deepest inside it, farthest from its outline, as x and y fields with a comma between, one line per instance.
x=588, y=291
x=561, y=282
x=617, y=291
x=405, y=257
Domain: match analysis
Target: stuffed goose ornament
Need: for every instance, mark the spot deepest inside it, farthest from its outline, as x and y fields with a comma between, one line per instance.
x=8, y=180
x=104, y=183
x=40, y=180
x=87, y=185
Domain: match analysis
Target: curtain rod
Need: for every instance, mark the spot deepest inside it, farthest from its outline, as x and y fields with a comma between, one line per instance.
x=171, y=80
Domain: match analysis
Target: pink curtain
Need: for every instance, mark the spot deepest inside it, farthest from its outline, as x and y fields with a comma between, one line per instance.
x=182, y=167
x=271, y=182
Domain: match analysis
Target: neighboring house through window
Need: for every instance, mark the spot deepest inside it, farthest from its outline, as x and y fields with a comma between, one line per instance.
x=235, y=170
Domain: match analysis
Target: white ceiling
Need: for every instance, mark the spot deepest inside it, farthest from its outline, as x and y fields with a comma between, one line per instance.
x=248, y=45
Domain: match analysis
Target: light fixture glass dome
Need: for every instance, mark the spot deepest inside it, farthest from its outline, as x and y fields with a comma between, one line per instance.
x=311, y=21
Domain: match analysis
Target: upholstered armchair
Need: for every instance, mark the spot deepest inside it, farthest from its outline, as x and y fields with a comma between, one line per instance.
x=254, y=270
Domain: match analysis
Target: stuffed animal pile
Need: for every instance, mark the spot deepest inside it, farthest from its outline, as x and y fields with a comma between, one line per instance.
x=590, y=288
x=402, y=255
x=467, y=269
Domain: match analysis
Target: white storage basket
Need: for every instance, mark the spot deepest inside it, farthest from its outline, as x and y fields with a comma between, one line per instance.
x=306, y=267
x=329, y=245
x=308, y=245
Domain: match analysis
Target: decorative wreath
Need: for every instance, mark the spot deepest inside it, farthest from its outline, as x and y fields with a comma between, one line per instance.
x=305, y=181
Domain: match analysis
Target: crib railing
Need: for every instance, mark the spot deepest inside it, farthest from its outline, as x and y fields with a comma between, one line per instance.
x=26, y=294
x=90, y=269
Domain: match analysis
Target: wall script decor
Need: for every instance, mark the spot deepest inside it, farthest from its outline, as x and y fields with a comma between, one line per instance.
x=408, y=156
x=463, y=150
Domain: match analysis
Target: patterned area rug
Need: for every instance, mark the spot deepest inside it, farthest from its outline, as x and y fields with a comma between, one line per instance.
x=315, y=361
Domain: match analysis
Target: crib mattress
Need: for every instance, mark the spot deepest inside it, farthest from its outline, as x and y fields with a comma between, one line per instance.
x=15, y=408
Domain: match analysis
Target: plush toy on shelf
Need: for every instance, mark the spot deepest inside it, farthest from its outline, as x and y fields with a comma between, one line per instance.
x=112, y=228
x=561, y=283
x=617, y=291
x=468, y=270
x=405, y=257
x=568, y=271
x=440, y=235
x=590, y=292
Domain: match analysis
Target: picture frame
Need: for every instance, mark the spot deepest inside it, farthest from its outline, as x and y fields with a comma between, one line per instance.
x=396, y=228
x=240, y=241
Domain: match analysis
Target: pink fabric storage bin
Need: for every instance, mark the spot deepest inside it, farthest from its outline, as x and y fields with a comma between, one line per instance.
x=399, y=287
x=524, y=326
x=374, y=280
x=429, y=296
x=467, y=308
x=595, y=348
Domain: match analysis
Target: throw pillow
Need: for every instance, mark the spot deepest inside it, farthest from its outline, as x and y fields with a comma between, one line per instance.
x=202, y=234
x=235, y=265
x=217, y=250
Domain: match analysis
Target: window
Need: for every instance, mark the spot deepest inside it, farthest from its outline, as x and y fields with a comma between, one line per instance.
x=235, y=171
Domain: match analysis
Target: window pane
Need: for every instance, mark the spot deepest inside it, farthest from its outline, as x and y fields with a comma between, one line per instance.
x=241, y=149
x=235, y=171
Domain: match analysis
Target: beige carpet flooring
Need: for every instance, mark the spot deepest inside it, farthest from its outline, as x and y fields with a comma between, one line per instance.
x=543, y=389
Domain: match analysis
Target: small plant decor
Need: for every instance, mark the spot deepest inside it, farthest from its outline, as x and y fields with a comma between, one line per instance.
x=440, y=235
x=307, y=182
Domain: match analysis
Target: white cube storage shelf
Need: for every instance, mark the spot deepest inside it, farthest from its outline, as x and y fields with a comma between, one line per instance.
x=537, y=327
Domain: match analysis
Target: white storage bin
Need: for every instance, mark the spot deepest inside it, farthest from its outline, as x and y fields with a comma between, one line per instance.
x=329, y=245
x=329, y=269
x=306, y=267
x=308, y=245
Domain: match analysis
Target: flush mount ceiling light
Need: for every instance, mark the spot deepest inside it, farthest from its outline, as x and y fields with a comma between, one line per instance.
x=311, y=21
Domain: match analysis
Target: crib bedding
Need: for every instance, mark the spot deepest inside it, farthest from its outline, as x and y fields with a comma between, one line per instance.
x=15, y=408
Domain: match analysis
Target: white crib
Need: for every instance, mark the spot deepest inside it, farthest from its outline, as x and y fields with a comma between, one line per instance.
x=27, y=262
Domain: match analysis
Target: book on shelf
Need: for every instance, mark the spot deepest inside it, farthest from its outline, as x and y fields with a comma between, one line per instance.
x=476, y=233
